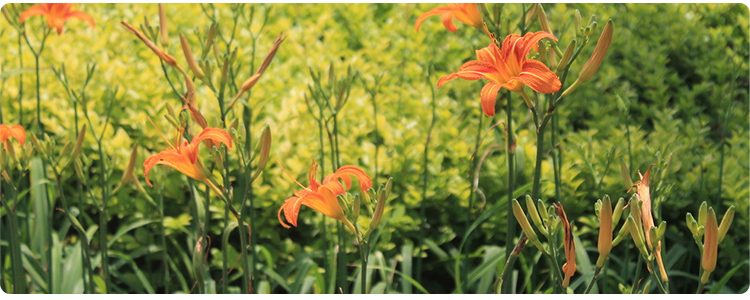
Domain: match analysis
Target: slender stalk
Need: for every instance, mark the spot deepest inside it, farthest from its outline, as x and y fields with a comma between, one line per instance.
x=163, y=233
x=20, y=80
x=425, y=176
x=593, y=280
x=224, y=260
x=19, y=283
x=364, y=252
x=510, y=230
x=637, y=276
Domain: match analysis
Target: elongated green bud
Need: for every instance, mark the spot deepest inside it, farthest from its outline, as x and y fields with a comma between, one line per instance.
x=525, y=226
x=602, y=46
x=653, y=237
x=565, y=60
x=726, y=222
x=625, y=173
x=542, y=209
x=624, y=231
x=692, y=224
x=661, y=230
x=535, y=215
x=355, y=208
x=637, y=236
x=578, y=22
x=617, y=212
x=264, y=147
x=702, y=213
x=543, y=19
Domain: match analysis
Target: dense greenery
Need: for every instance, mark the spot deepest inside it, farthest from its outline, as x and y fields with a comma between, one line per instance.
x=672, y=93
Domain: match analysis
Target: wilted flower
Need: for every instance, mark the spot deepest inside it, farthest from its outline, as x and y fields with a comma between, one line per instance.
x=508, y=67
x=467, y=13
x=57, y=14
x=644, y=194
x=323, y=197
x=569, y=268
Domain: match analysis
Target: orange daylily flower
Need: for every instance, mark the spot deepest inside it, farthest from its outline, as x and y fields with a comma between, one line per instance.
x=508, y=67
x=467, y=13
x=644, y=194
x=15, y=131
x=57, y=14
x=569, y=268
x=184, y=157
x=322, y=197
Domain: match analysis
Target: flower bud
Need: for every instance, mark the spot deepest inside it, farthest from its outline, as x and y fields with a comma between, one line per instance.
x=264, y=144
x=653, y=237
x=624, y=231
x=600, y=51
x=543, y=19
x=382, y=198
x=617, y=212
x=355, y=208
x=637, y=236
x=531, y=14
x=605, y=228
x=168, y=59
x=525, y=226
x=625, y=174
x=702, y=213
x=691, y=223
x=710, y=245
x=542, y=209
x=194, y=67
x=661, y=230
x=565, y=60
x=534, y=215
x=725, y=223
x=578, y=22
x=163, y=27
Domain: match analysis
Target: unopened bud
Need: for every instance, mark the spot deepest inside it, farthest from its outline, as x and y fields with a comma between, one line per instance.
x=661, y=230
x=380, y=208
x=691, y=223
x=617, y=212
x=625, y=174
x=624, y=231
x=535, y=215
x=525, y=226
x=542, y=209
x=710, y=245
x=194, y=67
x=565, y=60
x=543, y=18
x=605, y=227
x=163, y=27
x=702, y=211
x=653, y=237
x=531, y=14
x=637, y=236
x=726, y=222
x=602, y=46
x=168, y=59
x=578, y=22
x=355, y=208
x=264, y=149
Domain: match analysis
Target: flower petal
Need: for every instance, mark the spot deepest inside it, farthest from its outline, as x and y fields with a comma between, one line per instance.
x=82, y=16
x=433, y=12
x=447, y=19
x=214, y=134
x=35, y=10
x=489, y=95
x=346, y=172
x=538, y=77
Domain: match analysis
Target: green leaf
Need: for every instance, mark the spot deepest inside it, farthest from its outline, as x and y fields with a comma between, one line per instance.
x=719, y=285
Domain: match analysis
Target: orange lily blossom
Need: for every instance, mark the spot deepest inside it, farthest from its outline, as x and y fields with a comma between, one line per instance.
x=15, y=131
x=57, y=14
x=322, y=197
x=508, y=67
x=184, y=157
x=467, y=13
x=569, y=268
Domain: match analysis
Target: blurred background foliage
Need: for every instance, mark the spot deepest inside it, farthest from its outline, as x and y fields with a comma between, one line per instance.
x=672, y=92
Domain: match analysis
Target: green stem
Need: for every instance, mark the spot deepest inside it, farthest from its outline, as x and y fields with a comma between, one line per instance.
x=364, y=252
x=509, y=262
x=637, y=276
x=163, y=233
x=425, y=176
x=20, y=81
x=19, y=283
x=557, y=274
x=510, y=230
x=593, y=280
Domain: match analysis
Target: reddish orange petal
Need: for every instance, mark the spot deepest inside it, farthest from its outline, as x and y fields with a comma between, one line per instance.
x=344, y=173
x=446, y=78
x=530, y=40
x=447, y=19
x=489, y=95
x=82, y=16
x=213, y=134
x=311, y=174
x=538, y=77
x=433, y=12
x=19, y=133
x=35, y=10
